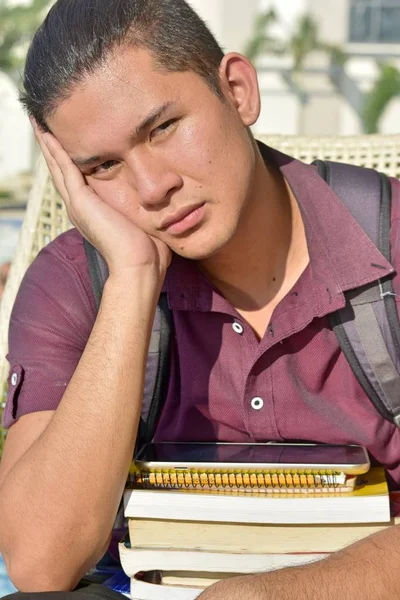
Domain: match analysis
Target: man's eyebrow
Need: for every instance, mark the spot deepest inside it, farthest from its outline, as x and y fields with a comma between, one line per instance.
x=143, y=126
x=152, y=118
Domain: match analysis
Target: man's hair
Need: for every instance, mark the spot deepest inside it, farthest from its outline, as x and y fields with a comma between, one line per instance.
x=78, y=36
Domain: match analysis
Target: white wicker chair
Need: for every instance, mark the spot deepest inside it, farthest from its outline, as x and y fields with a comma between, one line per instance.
x=46, y=217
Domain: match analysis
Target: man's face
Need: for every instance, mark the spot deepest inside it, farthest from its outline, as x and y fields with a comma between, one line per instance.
x=162, y=149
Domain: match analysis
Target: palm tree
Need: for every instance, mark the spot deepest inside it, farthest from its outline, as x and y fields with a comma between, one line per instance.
x=301, y=42
x=17, y=26
x=386, y=87
x=304, y=40
x=262, y=41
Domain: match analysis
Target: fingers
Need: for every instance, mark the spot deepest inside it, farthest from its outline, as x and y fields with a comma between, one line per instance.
x=73, y=179
x=67, y=178
x=54, y=169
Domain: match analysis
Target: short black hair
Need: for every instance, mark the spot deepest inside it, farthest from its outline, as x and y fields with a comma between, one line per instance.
x=78, y=36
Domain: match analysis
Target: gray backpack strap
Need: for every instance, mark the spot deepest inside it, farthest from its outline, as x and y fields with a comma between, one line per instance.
x=157, y=372
x=158, y=357
x=98, y=270
x=368, y=327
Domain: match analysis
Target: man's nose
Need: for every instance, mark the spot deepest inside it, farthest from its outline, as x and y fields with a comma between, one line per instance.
x=155, y=181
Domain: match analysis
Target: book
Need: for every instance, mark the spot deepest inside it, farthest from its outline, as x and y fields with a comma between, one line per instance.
x=143, y=590
x=247, y=537
x=200, y=579
x=174, y=585
x=134, y=560
x=368, y=503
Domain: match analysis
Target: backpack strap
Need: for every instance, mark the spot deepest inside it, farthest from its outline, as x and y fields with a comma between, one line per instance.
x=158, y=357
x=368, y=327
x=157, y=372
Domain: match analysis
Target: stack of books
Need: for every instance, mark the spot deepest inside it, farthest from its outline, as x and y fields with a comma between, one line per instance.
x=181, y=541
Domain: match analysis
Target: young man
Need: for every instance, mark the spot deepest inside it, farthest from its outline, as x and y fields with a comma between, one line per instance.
x=151, y=151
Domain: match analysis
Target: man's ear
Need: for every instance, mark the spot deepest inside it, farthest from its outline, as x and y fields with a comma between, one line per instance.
x=239, y=84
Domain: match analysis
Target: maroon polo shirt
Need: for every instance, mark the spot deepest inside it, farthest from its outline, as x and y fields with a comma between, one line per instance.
x=294, y=384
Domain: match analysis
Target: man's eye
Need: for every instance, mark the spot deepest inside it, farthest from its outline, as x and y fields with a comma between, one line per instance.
x=163, y=127
x=104, y=167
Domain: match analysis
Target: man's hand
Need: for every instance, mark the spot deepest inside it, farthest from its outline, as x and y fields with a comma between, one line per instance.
x=122, y=244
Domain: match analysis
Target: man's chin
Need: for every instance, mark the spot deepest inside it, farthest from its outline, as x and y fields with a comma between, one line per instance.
x=198, y=256
x=199, y=251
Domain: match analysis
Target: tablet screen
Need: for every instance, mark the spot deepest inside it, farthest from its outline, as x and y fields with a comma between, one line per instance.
x=254, y=453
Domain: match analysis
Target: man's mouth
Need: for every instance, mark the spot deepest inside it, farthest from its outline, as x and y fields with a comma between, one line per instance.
x=183, y=219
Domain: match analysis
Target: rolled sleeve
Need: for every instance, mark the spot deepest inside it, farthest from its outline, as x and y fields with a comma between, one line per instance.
x=50, y=323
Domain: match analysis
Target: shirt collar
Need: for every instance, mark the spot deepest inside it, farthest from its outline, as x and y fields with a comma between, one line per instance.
x=342, y=256
x=333, y=235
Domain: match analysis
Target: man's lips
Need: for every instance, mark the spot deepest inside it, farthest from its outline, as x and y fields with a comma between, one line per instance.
x=183, y=219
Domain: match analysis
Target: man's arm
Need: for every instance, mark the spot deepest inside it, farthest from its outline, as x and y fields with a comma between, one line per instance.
x=367, y=570
x=59, y=499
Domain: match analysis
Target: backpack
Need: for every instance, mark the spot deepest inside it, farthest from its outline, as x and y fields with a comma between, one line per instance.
x=367, y=328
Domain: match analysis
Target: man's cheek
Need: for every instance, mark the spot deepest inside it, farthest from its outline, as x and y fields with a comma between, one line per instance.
x=121, y=197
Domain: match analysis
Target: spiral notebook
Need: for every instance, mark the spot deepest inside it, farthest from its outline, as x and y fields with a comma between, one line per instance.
x=268, y=467
x=367, y=503
x=242, y=481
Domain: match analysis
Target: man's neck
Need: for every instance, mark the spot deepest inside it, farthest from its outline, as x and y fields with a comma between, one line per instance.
x=267, y=254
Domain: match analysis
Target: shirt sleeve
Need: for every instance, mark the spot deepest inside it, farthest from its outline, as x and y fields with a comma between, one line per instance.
x=51, y=321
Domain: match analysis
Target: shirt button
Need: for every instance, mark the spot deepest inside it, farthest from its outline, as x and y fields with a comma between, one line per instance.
x=257, y=403
x=237, y=327
x=14, y=379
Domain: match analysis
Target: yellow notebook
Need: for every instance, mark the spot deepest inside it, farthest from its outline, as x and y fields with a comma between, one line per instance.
x=367, y=502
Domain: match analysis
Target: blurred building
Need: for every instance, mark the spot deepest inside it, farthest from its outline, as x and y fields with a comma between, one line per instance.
x=15, y=132
x=316, y=102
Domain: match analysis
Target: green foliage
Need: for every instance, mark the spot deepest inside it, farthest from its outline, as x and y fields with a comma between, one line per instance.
x=303, y=40
x=262, y=41
x=386, y=87
x=17, y=25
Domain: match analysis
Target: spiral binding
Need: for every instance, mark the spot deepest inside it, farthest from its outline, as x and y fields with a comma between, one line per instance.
x=235, y=481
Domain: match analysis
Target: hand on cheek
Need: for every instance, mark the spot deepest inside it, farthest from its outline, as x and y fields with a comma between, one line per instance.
x=122, y=244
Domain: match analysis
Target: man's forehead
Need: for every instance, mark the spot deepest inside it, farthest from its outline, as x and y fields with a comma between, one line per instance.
x=153, y=117
x=112, y=104
x=113, y=92
x=134, y=70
